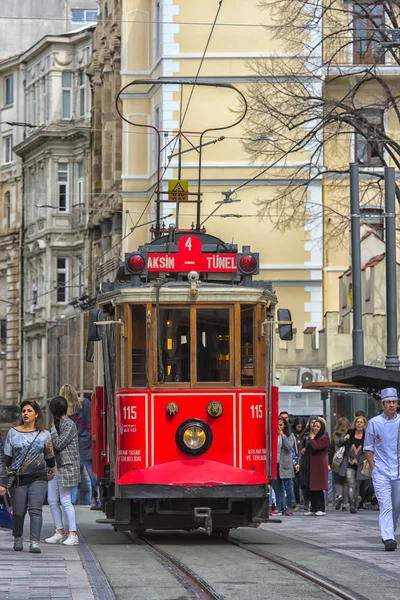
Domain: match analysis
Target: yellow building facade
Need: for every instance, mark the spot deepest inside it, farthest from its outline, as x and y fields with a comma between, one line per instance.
x=168, y=39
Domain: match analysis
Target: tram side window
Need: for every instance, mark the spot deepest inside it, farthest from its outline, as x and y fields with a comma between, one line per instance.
x=246, y=344
x=174, y=349
x=213, y=340
x=139, y=378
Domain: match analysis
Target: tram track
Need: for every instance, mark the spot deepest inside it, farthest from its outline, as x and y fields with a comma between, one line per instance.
x=329, y=586
x=190, y=580
x=204, y=591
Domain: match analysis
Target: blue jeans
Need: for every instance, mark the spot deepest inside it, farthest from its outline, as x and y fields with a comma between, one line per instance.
x=87, y=464
x=280, y=487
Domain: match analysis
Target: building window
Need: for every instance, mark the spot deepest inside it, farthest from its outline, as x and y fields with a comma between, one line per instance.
x=45, y=99
x=34, y=105
x=368, y=20
x=369, y=145
x=79, y=193
x=9, y=90
x=80, y=278
x=3, y=329
x=7, y=147
x=82, y=15
x=67, y=95
x=82, y=93
x=62, y=268
x=62, y=187
x=7, y=205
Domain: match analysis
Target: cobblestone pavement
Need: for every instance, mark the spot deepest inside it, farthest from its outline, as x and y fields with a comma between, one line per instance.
x=345, y=548
x=55, y=574
x=355, y=536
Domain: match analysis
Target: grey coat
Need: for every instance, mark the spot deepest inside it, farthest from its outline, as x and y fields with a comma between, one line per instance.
x=286, y=470
x=66, y=448
x=345, y=462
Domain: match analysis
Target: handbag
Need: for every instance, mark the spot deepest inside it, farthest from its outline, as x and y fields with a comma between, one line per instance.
x=366, y=470
x=13, y=475
x=338, y=456
x=338, y=459
x=5, y=511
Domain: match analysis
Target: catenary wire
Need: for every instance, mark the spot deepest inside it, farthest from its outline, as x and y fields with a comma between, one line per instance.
x=182, y=120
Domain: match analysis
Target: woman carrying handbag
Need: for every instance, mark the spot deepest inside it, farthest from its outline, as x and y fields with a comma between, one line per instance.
x=29, y=457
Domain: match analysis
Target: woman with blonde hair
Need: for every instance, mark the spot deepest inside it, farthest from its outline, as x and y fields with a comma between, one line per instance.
x=71, y=396
x=79, y=411
x=353, y=459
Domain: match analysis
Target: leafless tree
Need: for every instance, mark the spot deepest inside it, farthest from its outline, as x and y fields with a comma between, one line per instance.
x=325, y=97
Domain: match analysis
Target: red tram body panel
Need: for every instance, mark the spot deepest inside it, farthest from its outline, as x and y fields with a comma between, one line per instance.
x=184, y=413
x=239, y=436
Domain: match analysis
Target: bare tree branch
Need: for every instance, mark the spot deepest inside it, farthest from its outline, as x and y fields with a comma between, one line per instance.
x=323, y=102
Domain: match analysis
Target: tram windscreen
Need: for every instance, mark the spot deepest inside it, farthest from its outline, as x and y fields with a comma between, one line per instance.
x=246, y=344
x=213, y=341
x=139, y=350
x=174, y=344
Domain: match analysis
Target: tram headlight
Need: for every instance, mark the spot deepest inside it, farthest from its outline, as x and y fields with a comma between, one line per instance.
x=194, y=437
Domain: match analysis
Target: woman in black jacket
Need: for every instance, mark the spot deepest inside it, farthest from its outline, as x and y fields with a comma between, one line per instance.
x=353, y=459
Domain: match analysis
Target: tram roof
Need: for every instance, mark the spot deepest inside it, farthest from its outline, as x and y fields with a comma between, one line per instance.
x=178, y=291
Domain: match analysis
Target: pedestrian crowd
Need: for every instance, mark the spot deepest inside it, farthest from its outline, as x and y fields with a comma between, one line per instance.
x=362, y=457
x=36, y=464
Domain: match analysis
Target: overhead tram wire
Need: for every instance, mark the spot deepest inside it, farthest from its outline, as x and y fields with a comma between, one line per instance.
x=285, y=154
x=141, y=22
x=220, y=2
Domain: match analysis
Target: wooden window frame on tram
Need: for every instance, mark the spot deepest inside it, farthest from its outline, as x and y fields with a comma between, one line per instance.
x=124, y=332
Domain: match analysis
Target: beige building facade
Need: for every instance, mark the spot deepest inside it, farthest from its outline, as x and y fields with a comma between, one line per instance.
x=105, y=215
x=55, y=163
x=167, y=39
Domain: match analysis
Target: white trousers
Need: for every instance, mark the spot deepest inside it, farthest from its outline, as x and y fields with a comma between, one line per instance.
x=388, y=495
x=58, y=494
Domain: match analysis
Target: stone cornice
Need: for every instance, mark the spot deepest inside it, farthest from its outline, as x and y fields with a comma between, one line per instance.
x=52, y=133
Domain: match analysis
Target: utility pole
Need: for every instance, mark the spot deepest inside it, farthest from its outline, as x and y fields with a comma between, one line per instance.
x=358, y=334
x=392, y=359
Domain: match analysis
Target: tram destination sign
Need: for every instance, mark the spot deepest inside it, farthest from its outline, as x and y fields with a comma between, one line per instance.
x=191, y=258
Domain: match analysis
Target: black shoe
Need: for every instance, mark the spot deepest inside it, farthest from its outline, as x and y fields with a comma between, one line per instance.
x=353, y=509
x=390, y=545
x=338, y=502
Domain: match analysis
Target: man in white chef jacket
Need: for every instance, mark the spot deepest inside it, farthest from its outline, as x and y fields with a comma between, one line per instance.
x=382, y=449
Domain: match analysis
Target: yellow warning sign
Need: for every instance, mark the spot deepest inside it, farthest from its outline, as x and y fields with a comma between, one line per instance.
x=177, y=189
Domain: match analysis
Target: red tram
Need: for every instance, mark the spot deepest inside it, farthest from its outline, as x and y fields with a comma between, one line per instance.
x=184, y=413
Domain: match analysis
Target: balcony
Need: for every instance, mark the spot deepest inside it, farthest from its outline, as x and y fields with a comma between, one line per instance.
x=344, y=50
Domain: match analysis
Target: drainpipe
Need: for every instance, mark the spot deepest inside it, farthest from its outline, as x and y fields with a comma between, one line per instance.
x=358, y=334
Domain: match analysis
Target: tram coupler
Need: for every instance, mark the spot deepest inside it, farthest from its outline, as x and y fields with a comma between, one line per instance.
x=204, y=512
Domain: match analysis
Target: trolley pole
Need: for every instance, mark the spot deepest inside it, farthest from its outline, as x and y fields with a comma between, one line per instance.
x=392, y=359
x=358, y=335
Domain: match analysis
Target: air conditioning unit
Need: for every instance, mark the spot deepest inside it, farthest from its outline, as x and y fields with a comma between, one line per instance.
x=305, y=375
x=318, y=375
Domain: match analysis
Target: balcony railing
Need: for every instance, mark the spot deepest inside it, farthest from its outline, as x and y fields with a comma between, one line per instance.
x=344, y=50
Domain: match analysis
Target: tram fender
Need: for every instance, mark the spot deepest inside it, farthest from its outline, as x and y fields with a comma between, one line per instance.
x=193, y=473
